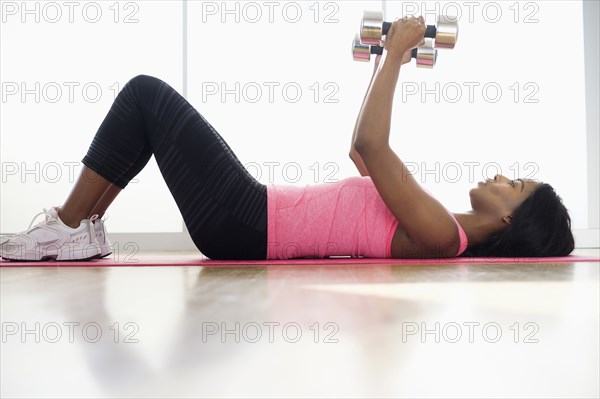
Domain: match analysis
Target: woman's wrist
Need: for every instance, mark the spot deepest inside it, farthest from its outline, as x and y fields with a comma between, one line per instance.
x=393, y=58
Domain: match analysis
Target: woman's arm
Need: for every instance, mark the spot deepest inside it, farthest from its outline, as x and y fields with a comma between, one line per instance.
x=425, y=220
x=354, y=156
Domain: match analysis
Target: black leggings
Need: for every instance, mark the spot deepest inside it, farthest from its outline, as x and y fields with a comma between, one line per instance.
x=223, y=206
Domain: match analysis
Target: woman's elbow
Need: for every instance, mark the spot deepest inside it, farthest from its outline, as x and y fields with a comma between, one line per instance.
x=366, y=147
x=359, y=145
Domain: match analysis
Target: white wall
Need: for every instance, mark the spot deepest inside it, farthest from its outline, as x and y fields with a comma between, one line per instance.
x=61, y=68
x=591, y=16
x=541, y=134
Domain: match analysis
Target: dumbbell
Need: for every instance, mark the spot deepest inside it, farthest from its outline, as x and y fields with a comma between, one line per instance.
x=373, y=28
x=426, y=55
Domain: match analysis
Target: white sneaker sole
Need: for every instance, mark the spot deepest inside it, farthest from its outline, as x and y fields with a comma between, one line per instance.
x=64, y=253
x=105, y=250
x=105, y=245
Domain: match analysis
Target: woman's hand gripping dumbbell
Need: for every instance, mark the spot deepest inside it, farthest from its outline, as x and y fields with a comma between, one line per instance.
x=373, y=28
x=425, y=55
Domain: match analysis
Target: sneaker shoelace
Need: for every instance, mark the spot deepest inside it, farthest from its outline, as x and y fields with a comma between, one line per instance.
x=48, y=218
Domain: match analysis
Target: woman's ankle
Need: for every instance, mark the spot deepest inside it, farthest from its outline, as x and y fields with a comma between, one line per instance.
x=72, y=222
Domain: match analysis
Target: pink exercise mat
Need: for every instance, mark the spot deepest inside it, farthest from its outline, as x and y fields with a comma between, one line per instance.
x=199, y=260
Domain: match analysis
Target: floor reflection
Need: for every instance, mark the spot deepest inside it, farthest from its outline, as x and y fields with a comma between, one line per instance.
x=300, y=330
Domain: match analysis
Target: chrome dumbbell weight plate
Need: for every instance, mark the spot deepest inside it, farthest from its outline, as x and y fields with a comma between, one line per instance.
x=371, y=28
x=447, y=32
x=362, y=52
x=426, y=55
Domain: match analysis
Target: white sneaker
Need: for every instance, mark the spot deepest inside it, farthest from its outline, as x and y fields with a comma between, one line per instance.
x=52, y=239
x=102, y=238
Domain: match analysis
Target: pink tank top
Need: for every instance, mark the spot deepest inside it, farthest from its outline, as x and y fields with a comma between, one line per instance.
x=347, y=218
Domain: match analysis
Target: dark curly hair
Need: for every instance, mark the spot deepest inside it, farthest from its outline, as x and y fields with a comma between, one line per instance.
x=541, y=226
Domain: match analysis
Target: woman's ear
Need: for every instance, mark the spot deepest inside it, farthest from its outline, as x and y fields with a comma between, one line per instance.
x=507, y=219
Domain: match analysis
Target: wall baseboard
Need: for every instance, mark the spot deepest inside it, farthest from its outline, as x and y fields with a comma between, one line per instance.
x=150, y=242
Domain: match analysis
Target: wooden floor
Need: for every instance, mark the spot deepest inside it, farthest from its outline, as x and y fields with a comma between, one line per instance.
x=472, y=330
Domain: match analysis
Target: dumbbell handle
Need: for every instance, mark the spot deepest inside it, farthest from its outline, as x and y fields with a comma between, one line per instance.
x=378, y=50
x=425, y=61
x=430, y=32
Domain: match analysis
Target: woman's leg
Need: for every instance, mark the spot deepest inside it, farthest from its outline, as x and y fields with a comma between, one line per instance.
x=90, y=195
x=105, y=201
x=223, y=206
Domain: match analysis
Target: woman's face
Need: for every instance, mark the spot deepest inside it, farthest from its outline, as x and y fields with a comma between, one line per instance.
x=500, y=196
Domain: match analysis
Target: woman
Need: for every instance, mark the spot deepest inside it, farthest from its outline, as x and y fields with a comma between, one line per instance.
x=230, y=215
